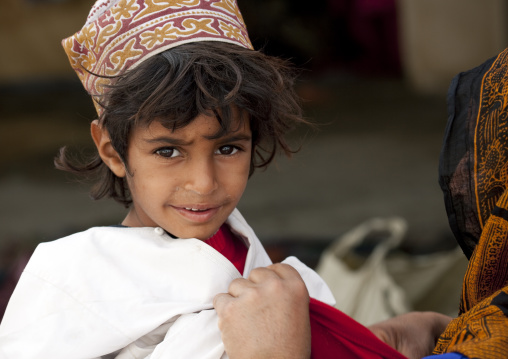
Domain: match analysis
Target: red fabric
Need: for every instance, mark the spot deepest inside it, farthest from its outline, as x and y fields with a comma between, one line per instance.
x=336, y=335
x=333, y=333
x=230, y=246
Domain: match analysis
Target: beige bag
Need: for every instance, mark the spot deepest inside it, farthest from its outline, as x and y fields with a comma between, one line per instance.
x=378, y=285
x=362, y=286
x=430, y=281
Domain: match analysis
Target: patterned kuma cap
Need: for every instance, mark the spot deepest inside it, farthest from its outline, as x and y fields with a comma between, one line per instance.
x=120, y=34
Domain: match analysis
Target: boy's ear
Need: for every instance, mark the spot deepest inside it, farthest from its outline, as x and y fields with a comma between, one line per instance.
x=105, y=148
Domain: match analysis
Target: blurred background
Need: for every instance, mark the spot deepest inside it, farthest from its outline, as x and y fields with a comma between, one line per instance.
x=374, y=78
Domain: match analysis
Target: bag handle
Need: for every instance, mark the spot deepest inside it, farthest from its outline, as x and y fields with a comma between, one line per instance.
x=395, y=227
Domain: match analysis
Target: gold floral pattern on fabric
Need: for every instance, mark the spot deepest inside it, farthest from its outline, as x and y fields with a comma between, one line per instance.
x=171, y=32
x=119, y=57
x=230, y=7
x=125, y=9
x=479, y=333
x=107, y=33
x=481, y=330
x=87, y=36
x=119, y=34
x=491, y=137
x=234, y=32
x=155, y=6
x=487, y=271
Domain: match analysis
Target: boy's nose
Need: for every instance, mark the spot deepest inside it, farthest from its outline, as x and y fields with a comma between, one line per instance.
x=201, y=177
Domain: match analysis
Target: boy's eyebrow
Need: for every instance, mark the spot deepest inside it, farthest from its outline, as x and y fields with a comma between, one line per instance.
x=180, y=142
x=169, y=140
x=232, y=138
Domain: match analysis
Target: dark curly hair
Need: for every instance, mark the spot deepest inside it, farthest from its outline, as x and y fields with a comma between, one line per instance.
x=178, y=85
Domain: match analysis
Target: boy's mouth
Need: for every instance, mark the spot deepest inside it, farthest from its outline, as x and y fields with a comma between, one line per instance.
x=196, y=209
x=198, y=213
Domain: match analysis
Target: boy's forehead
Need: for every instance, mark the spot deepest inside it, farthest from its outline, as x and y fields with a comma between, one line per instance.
x=206, y=126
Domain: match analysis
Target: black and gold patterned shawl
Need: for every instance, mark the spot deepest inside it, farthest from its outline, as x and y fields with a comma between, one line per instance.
x=474, y=178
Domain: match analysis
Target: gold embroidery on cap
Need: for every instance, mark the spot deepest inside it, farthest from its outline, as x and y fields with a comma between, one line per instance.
x=153, y=6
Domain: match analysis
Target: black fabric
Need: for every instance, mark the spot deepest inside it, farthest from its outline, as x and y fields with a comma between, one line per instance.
x=456, y=164
x=500, y=212
x=474, y=178
x=501, y=301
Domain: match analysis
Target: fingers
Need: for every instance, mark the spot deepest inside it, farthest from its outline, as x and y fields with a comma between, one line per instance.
x=413, y=334
x=284, y=271
x=291, y=279
x=239, y=286
x=264, y=281
x=222, y=303
x=221, y=300
x=265, y=315
x=262, y=274
x=439, y=322
x=275, y=272
x=275, y=278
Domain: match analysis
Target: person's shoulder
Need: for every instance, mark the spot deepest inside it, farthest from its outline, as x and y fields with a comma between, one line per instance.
x=106, y=234
x=75, y=239
x=90, y=245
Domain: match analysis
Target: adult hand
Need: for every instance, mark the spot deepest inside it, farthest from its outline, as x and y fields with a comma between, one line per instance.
x=413, y=334
x=266, y=315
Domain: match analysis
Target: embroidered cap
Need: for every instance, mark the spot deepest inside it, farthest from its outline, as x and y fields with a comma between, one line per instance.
x=120, y=34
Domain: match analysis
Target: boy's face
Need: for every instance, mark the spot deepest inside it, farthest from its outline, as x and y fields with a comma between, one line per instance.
x=182, y=180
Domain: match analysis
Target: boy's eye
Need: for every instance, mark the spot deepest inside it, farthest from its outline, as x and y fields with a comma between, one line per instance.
x=168, y=152
x=227, y=150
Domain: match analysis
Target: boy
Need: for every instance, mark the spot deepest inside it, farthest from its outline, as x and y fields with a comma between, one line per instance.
x=184, y=104
x=187, y=110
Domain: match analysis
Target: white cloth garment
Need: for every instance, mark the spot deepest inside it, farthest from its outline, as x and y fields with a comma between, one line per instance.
x=128, y=293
